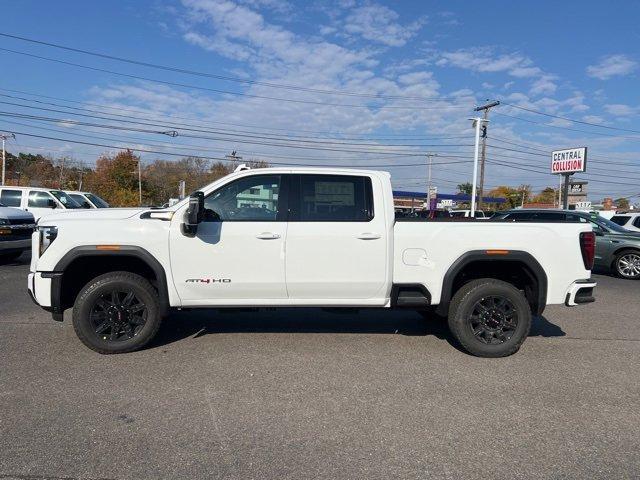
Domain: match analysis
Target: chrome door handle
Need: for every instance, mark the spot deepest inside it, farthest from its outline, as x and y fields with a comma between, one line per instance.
x=369, y=236
x=268, y=236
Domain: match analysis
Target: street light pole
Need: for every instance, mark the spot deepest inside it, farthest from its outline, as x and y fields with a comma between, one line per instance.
x=140, y=181
x=4, y=137
x=477, y=123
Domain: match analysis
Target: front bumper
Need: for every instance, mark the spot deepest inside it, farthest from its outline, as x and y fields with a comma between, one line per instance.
x=14, y=245
x=44, y=289
x=580, y=291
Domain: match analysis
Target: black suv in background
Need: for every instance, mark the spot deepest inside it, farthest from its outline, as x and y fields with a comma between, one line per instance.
x=617, y=249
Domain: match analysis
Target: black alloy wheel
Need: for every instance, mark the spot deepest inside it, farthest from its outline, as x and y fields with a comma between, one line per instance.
x=489, y=317
x=493, y=319
x=117, y=312
x=118, y=315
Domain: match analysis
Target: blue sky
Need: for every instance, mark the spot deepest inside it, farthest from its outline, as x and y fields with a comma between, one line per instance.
x=428, y=62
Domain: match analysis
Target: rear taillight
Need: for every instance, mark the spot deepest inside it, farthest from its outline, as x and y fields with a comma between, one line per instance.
x=588, y=248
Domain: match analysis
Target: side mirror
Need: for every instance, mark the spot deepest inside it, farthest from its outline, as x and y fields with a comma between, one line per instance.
x=51, y=203
x=194, y=214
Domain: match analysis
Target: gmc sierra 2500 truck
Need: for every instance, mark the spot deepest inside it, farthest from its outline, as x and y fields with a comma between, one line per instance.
x=303, y=237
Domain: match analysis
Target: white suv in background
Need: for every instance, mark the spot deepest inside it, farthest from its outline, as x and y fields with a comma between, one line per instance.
x=630, y=221
x=87, y=199
x=39, y=201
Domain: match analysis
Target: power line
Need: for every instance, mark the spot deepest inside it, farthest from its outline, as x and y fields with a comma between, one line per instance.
x=169, y=114
x=222, y=159
x=190, y=124
x=322, y=145
x=567, y=128
x=137, y=120
x=581, y=122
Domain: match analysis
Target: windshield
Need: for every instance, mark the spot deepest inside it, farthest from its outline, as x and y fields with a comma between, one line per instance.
x=96, y=200
x=609, y=224
x=64, y=199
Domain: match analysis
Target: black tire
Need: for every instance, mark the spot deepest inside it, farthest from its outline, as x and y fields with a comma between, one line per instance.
x=117, y=312
x=489, y=318
x=627, y=264
x=9, y=257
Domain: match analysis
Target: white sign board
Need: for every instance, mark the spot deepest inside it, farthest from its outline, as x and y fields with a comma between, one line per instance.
x=447, y=203
x=569, y=161
x=583, y=205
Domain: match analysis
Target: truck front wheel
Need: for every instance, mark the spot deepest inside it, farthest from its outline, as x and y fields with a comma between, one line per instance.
x=490, y=318
x=117, y=312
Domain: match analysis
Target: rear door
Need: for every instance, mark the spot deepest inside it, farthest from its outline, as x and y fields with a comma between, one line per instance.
x=337, y=241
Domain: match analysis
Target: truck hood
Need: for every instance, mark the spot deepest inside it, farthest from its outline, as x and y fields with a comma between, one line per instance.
x=16, y=214
x=91, y=214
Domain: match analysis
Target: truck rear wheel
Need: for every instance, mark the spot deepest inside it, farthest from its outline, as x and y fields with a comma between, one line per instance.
x=117, y=312
x=490, y=318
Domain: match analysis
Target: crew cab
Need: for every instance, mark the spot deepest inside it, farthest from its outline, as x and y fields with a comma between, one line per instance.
x=279, y=237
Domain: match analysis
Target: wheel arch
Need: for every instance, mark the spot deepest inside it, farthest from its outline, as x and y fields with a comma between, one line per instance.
x=80, y=264
x=511, y=262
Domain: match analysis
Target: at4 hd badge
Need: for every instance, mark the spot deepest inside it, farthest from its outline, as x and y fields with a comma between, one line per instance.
x=208, y=280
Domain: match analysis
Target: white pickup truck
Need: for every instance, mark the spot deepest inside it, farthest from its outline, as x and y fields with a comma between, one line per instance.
x=303, y=237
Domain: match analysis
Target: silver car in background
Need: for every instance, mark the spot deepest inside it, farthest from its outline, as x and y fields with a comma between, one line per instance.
x=87, y=199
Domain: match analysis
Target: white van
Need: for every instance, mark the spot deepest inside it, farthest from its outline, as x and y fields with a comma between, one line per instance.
x=39, y=201
x=87, y=199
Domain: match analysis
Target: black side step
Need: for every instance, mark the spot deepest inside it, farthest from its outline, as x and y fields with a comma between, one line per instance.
x=410, y=295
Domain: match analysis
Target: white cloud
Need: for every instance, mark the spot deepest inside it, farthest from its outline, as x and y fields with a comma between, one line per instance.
x=485, y=60
x=621, y=110
x=593, y=119
x=378, y=23
x=543, y=86
x=612, y=66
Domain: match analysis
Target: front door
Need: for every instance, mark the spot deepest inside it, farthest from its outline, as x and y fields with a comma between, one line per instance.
x=237, y=255
x=40, y=203
x=337, y=245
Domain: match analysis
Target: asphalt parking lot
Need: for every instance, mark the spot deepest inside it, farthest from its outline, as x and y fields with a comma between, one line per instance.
x=303, y=393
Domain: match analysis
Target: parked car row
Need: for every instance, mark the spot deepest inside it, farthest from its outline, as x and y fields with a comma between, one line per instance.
x=41, y=201
x=22, y=207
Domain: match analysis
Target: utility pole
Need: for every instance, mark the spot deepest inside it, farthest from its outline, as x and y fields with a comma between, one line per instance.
x=485, y=109
x=140, y=181
x=233, y=157
x=478, y=123
x=430, y=157
x=4, y=137
x=61, y=173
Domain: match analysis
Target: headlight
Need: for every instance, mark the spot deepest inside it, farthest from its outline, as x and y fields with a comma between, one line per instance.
x=47, y=236
x=4, y=221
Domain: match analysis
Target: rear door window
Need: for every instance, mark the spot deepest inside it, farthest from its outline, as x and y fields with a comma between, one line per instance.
x=519, y=216
x=11, y=198
x=549, y=217
x=331, y=198
x=620, y=219
x=636, y=222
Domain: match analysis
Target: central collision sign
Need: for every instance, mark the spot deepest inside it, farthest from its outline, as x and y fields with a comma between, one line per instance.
x=569, y=161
